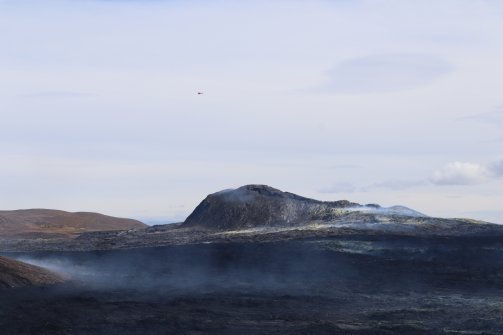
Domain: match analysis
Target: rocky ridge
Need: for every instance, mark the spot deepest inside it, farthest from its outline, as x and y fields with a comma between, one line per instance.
x=259, y=213
x=261, y=205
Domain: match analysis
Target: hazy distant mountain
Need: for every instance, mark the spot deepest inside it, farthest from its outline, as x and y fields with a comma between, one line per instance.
x=17, y=274
x=54, y=223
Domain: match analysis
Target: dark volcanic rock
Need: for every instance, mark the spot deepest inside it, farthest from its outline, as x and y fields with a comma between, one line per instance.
x=258, y=213
x=18, y=274
x=260, y=205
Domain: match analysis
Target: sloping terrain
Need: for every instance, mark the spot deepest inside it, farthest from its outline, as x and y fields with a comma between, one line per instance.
x=347, y=285
x=46, y=223
x=259, y=213
x=260, y=205
x=18, y=274
x=327, y=268
x=259, y=209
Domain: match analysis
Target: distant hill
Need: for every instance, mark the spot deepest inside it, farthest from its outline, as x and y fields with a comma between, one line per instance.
x=18, y=274
x=261, y=205
x=255, y=206
x=47, y=223
x=260, y=213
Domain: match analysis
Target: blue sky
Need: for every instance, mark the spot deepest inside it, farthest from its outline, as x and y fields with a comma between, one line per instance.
x=391, y=102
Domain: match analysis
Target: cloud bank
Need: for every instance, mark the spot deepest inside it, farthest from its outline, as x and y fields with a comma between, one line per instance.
x=463, y=173
x=386, y=73
x=453, y=173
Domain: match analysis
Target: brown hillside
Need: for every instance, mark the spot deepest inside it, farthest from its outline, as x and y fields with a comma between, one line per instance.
x=44, y=223
x=18, y=274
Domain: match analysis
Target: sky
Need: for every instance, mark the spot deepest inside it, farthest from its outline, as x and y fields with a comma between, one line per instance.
x=391, y=102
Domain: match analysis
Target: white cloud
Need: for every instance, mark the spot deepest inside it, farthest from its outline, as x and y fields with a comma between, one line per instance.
x=341, y=187
x=454, y=173
x=393, y=184
x=386, y=73
x=496, y=168
x=99, y=97
x=461, y=173
x=494, y=117
x=398, y=184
